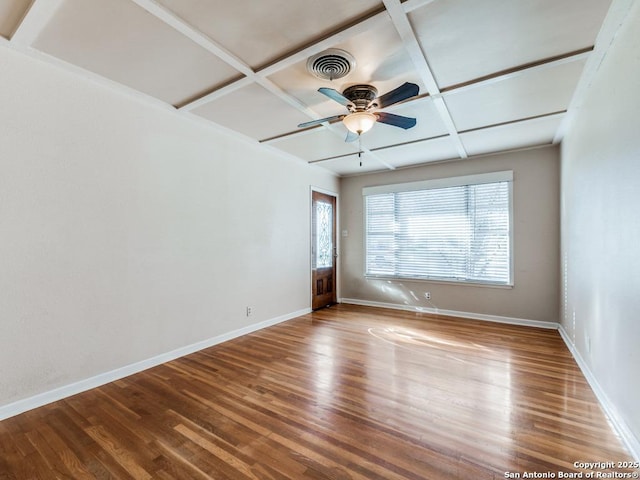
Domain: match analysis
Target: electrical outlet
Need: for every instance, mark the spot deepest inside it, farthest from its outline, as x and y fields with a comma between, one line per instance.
x=248, y=311
x=427, y=295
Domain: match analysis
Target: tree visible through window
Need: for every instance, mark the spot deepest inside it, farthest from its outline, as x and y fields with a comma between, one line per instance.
x=456, y=233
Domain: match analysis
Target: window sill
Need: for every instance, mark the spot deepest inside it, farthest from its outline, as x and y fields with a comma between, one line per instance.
x=440, y=282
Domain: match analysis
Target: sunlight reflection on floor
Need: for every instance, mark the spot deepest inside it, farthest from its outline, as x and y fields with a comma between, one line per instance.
x=403, y=337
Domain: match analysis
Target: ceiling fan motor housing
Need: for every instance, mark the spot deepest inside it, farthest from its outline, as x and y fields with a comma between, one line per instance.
x=361, y=96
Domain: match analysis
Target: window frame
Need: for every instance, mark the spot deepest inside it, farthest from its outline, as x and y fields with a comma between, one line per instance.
x=477, y=179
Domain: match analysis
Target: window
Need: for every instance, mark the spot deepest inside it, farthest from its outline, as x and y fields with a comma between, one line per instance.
x=455, y=229
x=323, y=218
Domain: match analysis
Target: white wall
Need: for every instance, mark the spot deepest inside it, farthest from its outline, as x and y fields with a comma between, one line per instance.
x=601, y=228
x=535, y=295
x=128, y=230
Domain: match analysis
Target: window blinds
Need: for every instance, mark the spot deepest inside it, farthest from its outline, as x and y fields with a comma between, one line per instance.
x=460, y=232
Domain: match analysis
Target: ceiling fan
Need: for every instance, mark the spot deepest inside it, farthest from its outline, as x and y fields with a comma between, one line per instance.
x=360, y=100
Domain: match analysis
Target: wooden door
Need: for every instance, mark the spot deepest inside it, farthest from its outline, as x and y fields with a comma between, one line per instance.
x=324, y=252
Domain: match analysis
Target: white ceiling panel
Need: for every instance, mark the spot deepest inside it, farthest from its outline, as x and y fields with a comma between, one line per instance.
x=538, y=131
x=315, y=144
x=122, y=42
x=464, y=40
x=526, y=95
x=419, y=152
x=263, y=31
x=253, y=111
x=11, y=12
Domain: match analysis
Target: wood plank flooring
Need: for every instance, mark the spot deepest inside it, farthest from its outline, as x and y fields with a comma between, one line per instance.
x=343, y=393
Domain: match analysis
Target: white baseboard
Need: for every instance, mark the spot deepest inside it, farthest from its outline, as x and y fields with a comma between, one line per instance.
x=626, y=435
x=454, y=313
x=39, y=400
x=59, y=393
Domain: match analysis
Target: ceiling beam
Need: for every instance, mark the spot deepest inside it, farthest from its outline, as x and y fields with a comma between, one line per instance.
x=196, y=36
x=411, y=44
x=411, y=5
x=34, y=21
x=216, y=94
x=177, y=23
x=518, y=71
x=558, y=114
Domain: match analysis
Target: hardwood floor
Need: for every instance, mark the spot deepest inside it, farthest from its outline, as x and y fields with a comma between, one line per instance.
x=343, y=393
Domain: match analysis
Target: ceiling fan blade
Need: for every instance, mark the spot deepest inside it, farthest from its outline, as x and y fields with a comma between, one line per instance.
x=396, y=120
x=351, y=136
x=311, y=123
x=335, y=95
x=404, y=91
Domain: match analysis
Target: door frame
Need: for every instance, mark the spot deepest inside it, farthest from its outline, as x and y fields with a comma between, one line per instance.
x=331, y=193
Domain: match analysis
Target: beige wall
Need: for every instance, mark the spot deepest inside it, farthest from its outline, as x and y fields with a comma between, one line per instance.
x=601, y=228
x=127, y=230
x=536, y=241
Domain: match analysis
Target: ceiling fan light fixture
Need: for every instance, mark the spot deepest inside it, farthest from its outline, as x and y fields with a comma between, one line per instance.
x=359, y=122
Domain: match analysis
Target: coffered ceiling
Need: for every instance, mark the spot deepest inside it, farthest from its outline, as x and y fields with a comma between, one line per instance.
x=493, y=75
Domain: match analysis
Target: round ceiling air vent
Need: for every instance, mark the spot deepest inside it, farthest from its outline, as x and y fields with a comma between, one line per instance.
x=331, y=64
